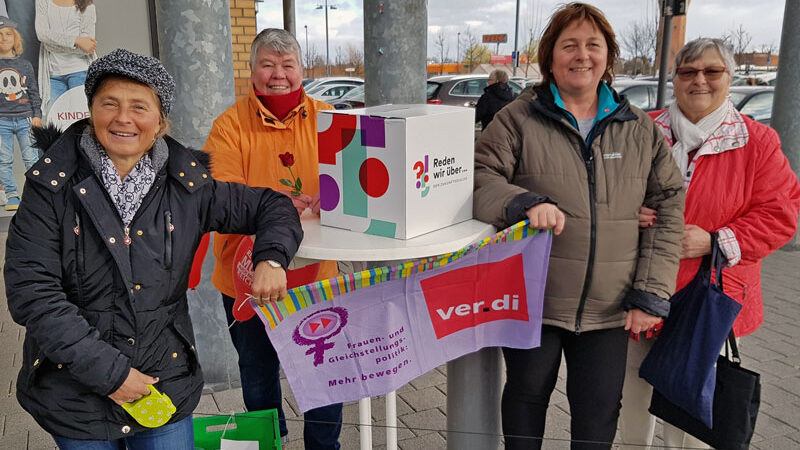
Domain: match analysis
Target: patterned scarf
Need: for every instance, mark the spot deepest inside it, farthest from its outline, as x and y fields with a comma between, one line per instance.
x=127, y=194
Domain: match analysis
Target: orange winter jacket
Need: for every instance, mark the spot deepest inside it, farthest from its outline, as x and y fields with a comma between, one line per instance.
x=244, y=144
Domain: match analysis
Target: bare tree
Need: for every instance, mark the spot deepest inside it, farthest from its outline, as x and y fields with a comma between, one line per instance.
x=338, y=58
x=355, y=59
x=530, y=52
x=640, y=41
x=441, y=45
x=474, y=53
x=739, y=40
x=311, y=56
x=768, y=49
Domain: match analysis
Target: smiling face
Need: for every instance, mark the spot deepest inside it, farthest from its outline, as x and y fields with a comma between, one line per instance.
x=276, y=73
x=7, y=39
x=580, y=58
x=126, y=116
x=698, y=96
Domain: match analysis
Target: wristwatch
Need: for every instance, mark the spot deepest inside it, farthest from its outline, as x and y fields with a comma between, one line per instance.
x=274, y=263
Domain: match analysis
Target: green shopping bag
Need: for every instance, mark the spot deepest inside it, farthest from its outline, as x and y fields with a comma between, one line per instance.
x=259, y=426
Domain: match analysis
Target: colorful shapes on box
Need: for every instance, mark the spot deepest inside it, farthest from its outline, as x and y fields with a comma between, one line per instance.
x=374, y=177
x=328, y=193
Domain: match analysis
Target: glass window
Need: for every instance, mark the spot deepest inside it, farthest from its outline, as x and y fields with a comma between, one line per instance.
x=430, y=90
x=759, y=106
x=470, y=87
x=638, y=96
x=737, y=97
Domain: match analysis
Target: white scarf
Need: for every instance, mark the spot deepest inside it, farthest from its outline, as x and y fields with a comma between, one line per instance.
x=690, y=136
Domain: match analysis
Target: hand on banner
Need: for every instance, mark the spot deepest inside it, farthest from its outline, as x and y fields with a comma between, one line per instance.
x=695, y=242
x=637, y=321
x=647, y=217
x=546, y=216
x=300, y=202
x=85, y=43
x=134, y=387
x=269, y=283
x=36, y=122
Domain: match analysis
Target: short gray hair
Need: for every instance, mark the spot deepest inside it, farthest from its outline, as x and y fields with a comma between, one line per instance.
x=499, y=76
x=693, y=50
x=278, y=40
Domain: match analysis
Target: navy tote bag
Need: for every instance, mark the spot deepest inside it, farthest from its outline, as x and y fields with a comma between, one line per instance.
x=681, y=364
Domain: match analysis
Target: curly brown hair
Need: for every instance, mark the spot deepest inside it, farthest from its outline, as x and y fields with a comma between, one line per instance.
x=562, y=19
x=81, y=5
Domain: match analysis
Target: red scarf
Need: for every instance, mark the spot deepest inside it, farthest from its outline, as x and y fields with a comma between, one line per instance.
x=280, y=105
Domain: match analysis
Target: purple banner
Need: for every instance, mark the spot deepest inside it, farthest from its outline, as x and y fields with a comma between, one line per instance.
x=374, y=340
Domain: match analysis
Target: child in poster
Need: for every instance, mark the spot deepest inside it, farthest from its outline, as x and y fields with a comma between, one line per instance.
x=20, y=108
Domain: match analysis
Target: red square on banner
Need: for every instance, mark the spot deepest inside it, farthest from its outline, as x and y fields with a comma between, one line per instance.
x=473, y=295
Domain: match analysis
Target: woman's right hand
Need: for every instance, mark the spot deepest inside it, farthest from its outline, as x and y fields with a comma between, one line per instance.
x=134, y=387
x=647, y=217
x=546, y=216
x=85, y=43
x=301, y=202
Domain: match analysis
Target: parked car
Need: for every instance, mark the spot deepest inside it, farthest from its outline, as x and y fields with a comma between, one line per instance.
x=460, y=90
x=355, y=81
x=306, y=81
x=350, y=100
x=754, y=101
x=642, y=93
x=327, y=92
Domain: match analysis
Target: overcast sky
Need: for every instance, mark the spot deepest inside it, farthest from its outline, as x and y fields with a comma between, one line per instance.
x=762, y=19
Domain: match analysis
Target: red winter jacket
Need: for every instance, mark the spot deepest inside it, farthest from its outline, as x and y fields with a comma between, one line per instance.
x=753, y=191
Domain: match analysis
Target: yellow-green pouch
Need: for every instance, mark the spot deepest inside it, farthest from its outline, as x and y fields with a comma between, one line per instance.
x=152, y=410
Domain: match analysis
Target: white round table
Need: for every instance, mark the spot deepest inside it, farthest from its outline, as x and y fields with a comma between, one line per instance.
x=328, y=243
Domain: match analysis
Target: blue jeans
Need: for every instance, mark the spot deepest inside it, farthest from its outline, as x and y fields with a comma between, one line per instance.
x=173, y=436
x=21, y=128
x=259, y=369
x=62, y=83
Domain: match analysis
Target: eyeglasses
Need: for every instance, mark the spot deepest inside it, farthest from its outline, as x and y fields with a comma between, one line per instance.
x=710, y=73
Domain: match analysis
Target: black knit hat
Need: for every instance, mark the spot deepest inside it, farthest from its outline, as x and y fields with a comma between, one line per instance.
x=144, y=69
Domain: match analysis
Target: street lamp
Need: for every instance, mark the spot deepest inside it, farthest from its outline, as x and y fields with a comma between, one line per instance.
x=327, y=51
x=308, y=63
x=458, y=52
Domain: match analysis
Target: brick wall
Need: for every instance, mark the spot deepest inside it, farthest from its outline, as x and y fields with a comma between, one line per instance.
x=243, y=31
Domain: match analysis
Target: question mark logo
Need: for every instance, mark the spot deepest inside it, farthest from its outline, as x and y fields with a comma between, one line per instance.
x=421, y=170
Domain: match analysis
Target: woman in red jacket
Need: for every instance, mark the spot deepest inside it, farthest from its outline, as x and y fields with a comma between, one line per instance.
x=739, y=185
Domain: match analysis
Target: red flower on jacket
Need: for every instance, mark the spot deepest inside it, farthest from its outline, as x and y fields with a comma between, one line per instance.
x=287, y=159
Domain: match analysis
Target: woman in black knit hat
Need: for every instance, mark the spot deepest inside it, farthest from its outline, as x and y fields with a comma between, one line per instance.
x=98, y=258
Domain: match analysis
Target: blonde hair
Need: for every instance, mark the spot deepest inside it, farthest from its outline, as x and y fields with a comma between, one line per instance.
x=17, y=48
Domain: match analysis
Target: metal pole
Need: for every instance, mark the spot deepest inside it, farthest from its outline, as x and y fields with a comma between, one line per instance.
x=787, y=94
x=308, y=63
x=663, y=68
x=327, y=61
x=394, y=67
x=516, y=38
x=458, y=52
x=194, y=35
x=288, y=16
x=474, y=389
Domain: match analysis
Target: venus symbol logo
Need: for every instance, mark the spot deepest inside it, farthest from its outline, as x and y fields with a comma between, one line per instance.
x=317, y=327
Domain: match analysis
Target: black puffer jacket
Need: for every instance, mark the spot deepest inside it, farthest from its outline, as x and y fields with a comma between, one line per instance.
x=494, y=98
x=94, y=304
